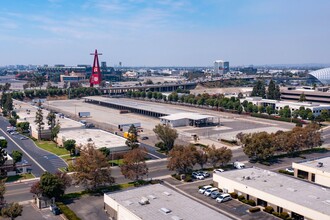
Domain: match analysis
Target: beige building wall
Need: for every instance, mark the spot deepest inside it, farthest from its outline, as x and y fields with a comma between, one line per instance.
x=321, y=177
x=118, y=211
x=231, y=186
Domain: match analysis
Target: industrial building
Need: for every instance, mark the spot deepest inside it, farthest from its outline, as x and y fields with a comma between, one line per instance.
x=156, y=202
x=188, y=119
x=300, y=199
x=316, y=170
x=278, y=105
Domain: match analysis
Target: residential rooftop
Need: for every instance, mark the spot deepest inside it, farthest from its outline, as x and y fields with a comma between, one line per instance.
x=279, y=185
x=161, y=200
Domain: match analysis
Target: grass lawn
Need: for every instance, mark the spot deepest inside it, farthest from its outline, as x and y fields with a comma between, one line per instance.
x=51, y=147
x=20, y=177
x=116, y=162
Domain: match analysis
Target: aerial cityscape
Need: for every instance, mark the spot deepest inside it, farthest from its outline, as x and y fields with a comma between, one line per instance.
x=165, y=109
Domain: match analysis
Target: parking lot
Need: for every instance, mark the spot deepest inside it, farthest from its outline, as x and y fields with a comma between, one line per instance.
x=230, y=124
x=234, y=207
x=31, y=212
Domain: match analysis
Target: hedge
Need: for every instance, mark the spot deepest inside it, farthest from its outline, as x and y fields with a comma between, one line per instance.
x=254, y=209
x=269, y=209
x=69, y=214
x=293, y=120
x=233, y=195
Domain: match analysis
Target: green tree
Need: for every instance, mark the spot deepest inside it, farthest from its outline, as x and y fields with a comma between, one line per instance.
x=285, y=112
x=277, y=93
x=258, y=145
x=17, y=156
x=70, y=145
x=271, y=90
x=3, y=143
x=259, y=89
x=218, y=155
x=51, y=117
x=134, y=165
x=302, y=97
x=182, y=159
x=92, y=168
x=132, y=141
x=201, y=157
x=325, y=114
x=51, y=186
x=55, y=130
x=269, y=110
x=167, y=135
x=23, y=126
x=105, y=151
x=12, y=210
x=261, y=109
x=39, y=120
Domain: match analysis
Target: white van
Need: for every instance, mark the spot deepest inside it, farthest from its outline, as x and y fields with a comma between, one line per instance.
x=239, y=165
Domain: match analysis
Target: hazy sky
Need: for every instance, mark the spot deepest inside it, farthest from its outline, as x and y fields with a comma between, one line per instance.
x=165, y=32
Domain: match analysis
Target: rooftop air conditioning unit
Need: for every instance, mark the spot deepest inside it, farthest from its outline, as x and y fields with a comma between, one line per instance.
x=320, y=164
x=144, y=201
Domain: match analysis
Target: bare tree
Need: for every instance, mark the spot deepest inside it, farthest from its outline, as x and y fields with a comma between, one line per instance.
x=134, y=164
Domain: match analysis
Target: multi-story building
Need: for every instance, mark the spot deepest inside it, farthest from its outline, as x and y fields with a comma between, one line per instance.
x=221, y=67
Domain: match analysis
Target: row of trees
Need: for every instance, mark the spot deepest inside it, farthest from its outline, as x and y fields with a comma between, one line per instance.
x=263, y=146
x=273, y=91
x=43, y=93
x=182, y=159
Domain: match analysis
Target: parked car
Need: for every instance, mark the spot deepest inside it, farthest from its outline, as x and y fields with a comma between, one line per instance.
x=144, y=138
x=223, y=198
x=289, y=170
x=14, y=133
x=54, y=209
x=210, y=190
x=23, y=138
x=239, y=165
x=204, y=173
x=197, y=176
x=218, y=171
x=215, y=194
x=204, y=188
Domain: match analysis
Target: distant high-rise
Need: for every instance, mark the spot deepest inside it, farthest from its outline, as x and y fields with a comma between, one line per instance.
x=221, y=67
x=103, y=65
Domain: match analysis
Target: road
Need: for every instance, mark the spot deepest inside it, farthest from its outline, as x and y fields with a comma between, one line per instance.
x=39, y=159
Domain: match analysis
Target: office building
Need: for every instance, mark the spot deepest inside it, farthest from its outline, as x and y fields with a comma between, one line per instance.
x=156, y=202
x=300, y=199
x=221, y=67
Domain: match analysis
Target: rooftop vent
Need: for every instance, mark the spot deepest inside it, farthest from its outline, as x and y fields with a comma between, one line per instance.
x=291, y=189
x=127, y=202
x=165, y=210
x=167, y=193
x=152, y=197
x=320, y=164
x=144, y=201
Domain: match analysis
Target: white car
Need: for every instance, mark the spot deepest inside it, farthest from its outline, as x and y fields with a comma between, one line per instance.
x=218, y=171
x=204, y=188
x=223, y=198
x=289, y=170
x=210, y=190
x=198, y=176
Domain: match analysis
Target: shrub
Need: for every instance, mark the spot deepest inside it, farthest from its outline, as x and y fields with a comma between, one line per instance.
x=251, y=202
x=284, y=215
x=69, y=214
x=188, y=178
x=241, y=198
x=276, y=214
x=233, y=195
x=254, y=209
x=269, y=209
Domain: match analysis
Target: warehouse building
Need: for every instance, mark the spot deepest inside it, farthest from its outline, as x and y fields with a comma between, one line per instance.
x=156, y=202
x=302, y=200
x=191, y=119
x=316, y=170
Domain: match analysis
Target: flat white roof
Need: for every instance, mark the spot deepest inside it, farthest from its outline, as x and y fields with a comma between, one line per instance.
x=313, y=164
x=279, y=185
x=161, y=197
x=186, y=115
x=99, y=137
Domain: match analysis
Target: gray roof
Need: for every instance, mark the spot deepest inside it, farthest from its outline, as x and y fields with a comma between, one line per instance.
x=313, y=164
x=279, y=185
x=162, y=199
x=147, y=106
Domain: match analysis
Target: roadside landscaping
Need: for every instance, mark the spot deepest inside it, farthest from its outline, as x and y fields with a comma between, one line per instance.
x=51, y=147
x=19, y=177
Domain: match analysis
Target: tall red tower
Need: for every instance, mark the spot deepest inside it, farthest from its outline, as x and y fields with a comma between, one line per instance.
x=96, y=71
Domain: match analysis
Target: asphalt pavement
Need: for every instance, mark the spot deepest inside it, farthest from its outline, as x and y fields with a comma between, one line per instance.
x=39, y=159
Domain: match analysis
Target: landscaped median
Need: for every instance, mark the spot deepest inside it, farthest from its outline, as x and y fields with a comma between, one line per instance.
x=52, y=147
